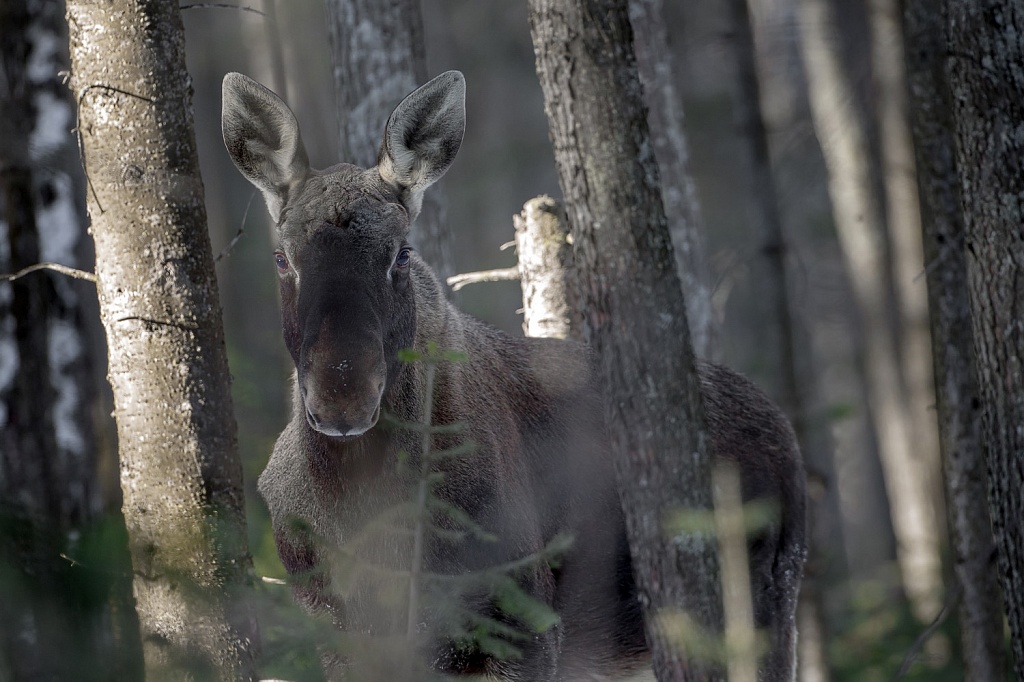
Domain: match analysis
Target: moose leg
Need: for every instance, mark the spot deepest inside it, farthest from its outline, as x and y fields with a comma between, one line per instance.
x=776, y=567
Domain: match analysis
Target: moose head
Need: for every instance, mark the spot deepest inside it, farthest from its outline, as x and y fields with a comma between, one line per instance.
x=342, y=253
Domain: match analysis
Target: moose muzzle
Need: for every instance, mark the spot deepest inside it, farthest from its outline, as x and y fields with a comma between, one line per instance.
x=342, y=392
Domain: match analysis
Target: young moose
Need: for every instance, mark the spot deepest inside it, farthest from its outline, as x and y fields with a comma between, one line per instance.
x=354, y=294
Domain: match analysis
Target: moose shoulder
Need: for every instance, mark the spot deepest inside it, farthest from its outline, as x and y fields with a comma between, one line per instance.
x=353, y=295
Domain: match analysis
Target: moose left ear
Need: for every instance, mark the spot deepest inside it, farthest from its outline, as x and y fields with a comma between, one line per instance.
x=422, y=137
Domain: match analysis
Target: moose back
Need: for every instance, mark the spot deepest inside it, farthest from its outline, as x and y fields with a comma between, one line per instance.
x=353, y=295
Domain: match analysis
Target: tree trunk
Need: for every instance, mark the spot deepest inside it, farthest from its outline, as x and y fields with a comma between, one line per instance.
x=960, y=438
x=665, y=118
x=634, y=308
x=547, y=272
x=841, y=131
x=379, y=58
x=58, y=617
x=825, y=536
x=987, y=87
x=275, y=54
x=903, y=220
x=180, y=470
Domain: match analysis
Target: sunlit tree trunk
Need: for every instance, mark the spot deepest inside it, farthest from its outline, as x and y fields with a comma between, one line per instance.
x=959, y=410
x=665, y=118
x=180, y=471
x=633, y=306
x=841, y=131
x=987, y=88
x=58, y=617
x=379, y=58
x=903, y=220
x=272, y=47
x=547, y=272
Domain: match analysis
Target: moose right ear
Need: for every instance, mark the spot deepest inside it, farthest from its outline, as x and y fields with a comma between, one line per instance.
x=422, y=137
x=263, y=140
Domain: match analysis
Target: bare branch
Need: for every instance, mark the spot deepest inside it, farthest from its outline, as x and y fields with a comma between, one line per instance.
x=222, y=5
x=238, y=235
x=456, y=282
x=57, y=267
x=940, y=618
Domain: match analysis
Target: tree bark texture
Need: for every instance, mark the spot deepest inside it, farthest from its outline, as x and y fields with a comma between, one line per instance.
x=842, y=133
x=825, y=522
x=987, y=88
x=379, y=57
x=665, y=118
x=547, y=272
x=180, y=471
x=50, y=501
x=635, y=315
x=956, y=388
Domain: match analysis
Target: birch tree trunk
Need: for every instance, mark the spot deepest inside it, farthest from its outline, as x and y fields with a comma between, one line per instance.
x=180, y=471
x=50, y=501
x=634, y=307
x=682, y=210
x=547, y=272
x=379, y=58
x=987, y=87
x=841, y=131
x=959, y=409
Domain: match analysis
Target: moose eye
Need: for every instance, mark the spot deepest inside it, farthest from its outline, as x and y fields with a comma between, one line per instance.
x=403, y=258
x=282, y=261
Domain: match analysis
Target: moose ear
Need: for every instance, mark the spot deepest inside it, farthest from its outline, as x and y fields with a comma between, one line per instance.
x=263, y=140
x=422, y=137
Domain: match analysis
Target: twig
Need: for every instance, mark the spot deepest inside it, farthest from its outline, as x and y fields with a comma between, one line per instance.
x=941, y=257
x=238, y=235
x=951, y=601
x=63, y=269
x=273, y=581
x=456, y=282
x=221, y=5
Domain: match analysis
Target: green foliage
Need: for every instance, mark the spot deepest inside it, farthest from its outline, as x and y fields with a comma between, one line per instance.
x=878, y=631
x=73, y=588
x=758, y=515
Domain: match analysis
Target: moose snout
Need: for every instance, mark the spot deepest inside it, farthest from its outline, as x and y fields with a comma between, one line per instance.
x=342, y=400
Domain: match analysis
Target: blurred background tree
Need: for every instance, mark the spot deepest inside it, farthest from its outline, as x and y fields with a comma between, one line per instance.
x=65, y=590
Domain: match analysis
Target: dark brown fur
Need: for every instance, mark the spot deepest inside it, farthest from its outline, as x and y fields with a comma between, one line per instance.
x=541, y=464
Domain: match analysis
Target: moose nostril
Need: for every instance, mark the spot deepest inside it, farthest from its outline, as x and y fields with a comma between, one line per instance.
x=314, y=420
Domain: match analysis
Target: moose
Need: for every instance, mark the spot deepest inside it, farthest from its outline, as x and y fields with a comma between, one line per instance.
x=354, y=295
